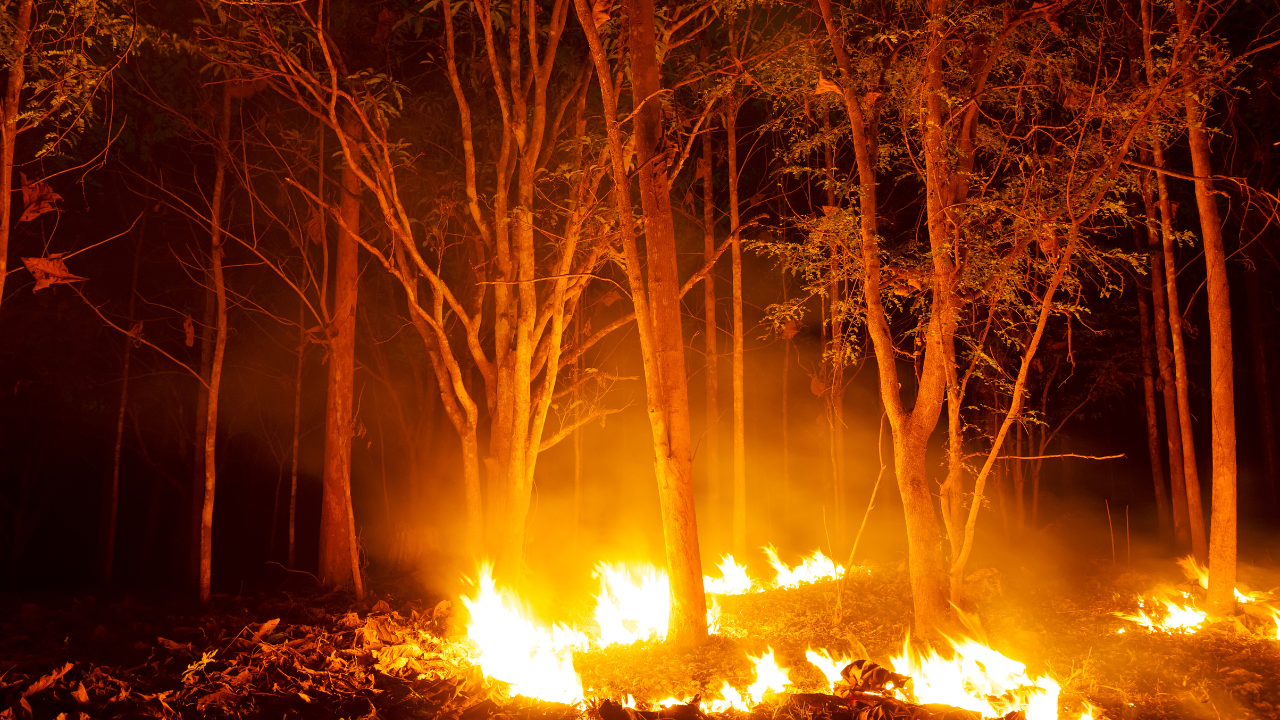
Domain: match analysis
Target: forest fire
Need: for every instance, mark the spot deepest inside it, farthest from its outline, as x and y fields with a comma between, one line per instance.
x=535, y=660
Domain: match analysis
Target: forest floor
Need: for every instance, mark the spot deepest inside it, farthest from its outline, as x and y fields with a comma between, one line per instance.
x=316, y=655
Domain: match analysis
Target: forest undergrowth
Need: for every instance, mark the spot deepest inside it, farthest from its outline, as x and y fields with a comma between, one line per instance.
x=306, y=653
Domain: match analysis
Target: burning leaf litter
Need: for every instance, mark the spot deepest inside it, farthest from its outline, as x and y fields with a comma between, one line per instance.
x=1174, y=610
x=535, y=660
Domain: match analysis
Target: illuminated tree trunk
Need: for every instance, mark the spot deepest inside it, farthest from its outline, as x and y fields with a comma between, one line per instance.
x=339, y=552
x=297, y=434
x=1191, y=474
x=208, y=324
x=710, y=338
x=658, y=325
x=219, y=349
x=1149, y=406
x=9, y=125
x=835, y=379
x=739, y=381
x=1222, y=542
x=1161, y=323
x=113, y=491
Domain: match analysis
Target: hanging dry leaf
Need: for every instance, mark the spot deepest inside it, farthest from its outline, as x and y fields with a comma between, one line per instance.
x=135, y=333
x=790, y=330
x=386, y=21
x=315, y=228
x=189, y=329
x=600, y=12
x=37, y=198
x=610, y=298
x=817, y=385
x=826, y=86
x=49, y=271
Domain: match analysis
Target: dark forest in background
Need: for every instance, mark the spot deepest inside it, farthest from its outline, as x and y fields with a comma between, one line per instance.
x=161, y=139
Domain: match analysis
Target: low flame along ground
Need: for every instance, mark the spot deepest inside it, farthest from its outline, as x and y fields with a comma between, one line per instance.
x=536, y=659
x=1171, y=610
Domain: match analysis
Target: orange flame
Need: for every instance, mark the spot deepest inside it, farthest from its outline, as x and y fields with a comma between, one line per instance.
x=733, y=579
x=980, y=679
x=815, y=568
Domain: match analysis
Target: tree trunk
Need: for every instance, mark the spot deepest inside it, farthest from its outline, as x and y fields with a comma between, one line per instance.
x=739, y=384
x=1161, y=323
x=1019, y=485
x=9, y=126
x=1191, y=473
x=1149, y=398
x=712, y=370
x=661, y=341
x=208, y=333
x=836, y=386
x=1222, y=542
x=339, y=553
x=297, y=434
x=113, y=492
x=219, y=350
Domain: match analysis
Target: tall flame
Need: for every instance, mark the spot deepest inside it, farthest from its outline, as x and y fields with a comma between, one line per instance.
x=536, y=661
x=634, y=603
x=829, y=666
x=812, y=569
x=980, y=679
x=733, y=579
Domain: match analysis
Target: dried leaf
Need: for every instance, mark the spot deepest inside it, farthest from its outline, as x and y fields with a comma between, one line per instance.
x=610, y=298
x=37, y=198
x=189, y=329
x=790, y=329
x=80, y=694
x=220, y=698
x=44, y=682
x=600, y=12
x=380, y=607
x=315, y=228
x=267, y=628
x=135, y=332
x=49, y=271
x=826, y=86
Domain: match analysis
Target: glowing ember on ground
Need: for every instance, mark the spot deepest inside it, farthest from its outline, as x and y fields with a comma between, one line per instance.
x=733, y=579
x=634, y=603
x=829, y=666
x=1174, y=618
x=815, y=568
x=535, y=661
x=980, y=679
x=730, y=699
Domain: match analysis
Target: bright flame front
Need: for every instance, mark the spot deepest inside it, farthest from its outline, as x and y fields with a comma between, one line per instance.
x=980, y=679
x=536, y=661
x=815, y=568
x=1173, y=618
x=634, y=603
x=733, y=579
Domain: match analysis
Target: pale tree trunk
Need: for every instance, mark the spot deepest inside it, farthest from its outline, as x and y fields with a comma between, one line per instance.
x=1152, y=416
x=9, y=126
x=1222, y=541
x=219, y=349
x=208, y=319
x=661, y=342
x=739, y=380
x=339, y=551
x=1161, y=324
x=113, y=492
x=710, y=338
x=911, y=429
x=297, y=433
x=835, y=379
x=1019, y=485
x=1191, y=473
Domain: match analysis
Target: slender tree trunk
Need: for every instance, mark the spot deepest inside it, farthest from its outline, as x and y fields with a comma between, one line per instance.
x=339, y=552
x=219, y=350
x=208, y=330
x=113, y=492
x=297, y=433
x=661, y=340
x=786, y=425
x=1152, y=416
x=1019, y=485
x=711, y=336
x=1222, y=542
x=836, y=385
x=9, y=126
x=1161, y=323
x=739, y=381
x=1191, y=473
x=577, y=435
